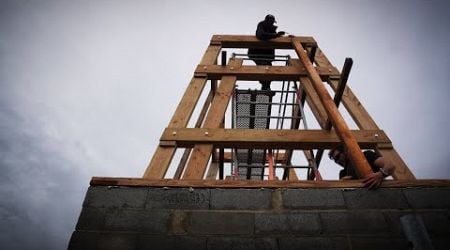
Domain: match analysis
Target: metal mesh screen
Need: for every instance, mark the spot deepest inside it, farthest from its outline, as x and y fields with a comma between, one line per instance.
x=252, y=112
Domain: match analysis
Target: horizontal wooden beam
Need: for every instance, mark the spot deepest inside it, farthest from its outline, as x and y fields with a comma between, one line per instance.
x=249, y=41
x=267, y=138
x=137, y=182
x=257, y=73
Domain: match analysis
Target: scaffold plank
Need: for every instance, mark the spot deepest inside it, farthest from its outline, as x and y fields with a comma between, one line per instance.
x=246, y=41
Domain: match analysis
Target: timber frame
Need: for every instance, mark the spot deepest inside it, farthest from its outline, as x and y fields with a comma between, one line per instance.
x=208, y=137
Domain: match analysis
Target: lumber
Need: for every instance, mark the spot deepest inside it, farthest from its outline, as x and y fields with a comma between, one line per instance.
x=247, y=41
x=267, y=138
x=356, y=156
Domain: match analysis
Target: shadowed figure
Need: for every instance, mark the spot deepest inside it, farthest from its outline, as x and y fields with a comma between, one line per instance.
x=266, y=30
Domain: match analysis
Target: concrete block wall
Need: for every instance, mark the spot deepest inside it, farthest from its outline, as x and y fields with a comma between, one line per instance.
x=185, y=218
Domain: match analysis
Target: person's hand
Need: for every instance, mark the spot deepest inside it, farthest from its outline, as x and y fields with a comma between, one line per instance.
x=373, y=180
x=281, y=33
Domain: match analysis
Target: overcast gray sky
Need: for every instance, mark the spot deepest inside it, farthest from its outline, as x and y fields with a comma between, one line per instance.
x=87, y=87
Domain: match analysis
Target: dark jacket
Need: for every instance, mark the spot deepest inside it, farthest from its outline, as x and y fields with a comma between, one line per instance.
x=264, y=32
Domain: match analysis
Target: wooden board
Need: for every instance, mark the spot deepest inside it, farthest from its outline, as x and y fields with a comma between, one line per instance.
x=197, y=164
x=239, y=41
x=162, y=157
x=137, y=182
x=262, y=73
x=267, y=138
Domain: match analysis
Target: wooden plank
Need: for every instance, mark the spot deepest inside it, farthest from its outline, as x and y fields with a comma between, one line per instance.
x=364, y=121
x=279, y=158
x=162, y=157
x=355, y=155
x=212, y=171
x=198, y=124
x=268, y=138
x=265, y=73
x=137, y=182
x=312, y=98
x=247, y=41
x=199, y=159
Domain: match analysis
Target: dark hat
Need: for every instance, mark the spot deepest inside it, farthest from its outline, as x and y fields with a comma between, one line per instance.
x=270, y=17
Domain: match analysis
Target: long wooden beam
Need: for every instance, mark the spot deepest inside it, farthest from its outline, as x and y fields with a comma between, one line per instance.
x=248, y=41
x=267, y=138
x=201, y=153
x=138, y=182
x=162, y=157
x=356, y=157
x=262, y=73
x=364, y=121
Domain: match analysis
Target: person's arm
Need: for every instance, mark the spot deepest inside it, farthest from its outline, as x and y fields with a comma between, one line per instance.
x=263, y=34
x=386, y=168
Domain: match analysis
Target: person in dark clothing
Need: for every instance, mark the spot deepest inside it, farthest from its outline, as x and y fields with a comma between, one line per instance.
x=266, y=30
x=381, y=166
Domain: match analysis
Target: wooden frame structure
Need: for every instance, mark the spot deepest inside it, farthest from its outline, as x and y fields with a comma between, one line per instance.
x=208, y=138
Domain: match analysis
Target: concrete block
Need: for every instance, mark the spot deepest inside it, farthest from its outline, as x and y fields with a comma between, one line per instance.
x=82, y=240
x=91, y=219
x=312, y=198
x=376, y=243
x=241, y=199
x=440, y=243
x=376, y=199
x=393, y=222
x=171, y=242
x=215, y=222
x=87, y=240
x=287, y=223
x=115, y=197
x=354, y=222
x=428, y=197
x=219, y=243
x=437, y=223
x=313, y=243
x=177, y=198
x=132, y=220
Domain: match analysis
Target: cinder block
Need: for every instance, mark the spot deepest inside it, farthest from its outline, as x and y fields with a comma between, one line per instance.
x=282, y=223
x=83, y=240
x=440, y=243
x=219, y=243
x=149, y=221
x=428, y=197
x=115, y=197
x=376, y=199
x=91, y=219
x=89, y=240
x=354, y=222
x=393, y=222
x=215, y=222
x=241, y=199
x=312, y=198
x=177, y=198
x=437, y=223
x=171, y=242
x=313, y=243
x=376, y=243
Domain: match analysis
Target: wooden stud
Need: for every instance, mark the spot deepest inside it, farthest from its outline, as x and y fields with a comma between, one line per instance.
x=162, y=157
x=268, y=138
x=199, y=159
x=232, y=41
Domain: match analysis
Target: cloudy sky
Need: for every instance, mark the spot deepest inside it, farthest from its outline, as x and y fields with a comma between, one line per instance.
x=87, y=87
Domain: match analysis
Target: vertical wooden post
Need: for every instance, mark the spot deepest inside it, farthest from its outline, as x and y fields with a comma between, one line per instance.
x=357, y=158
